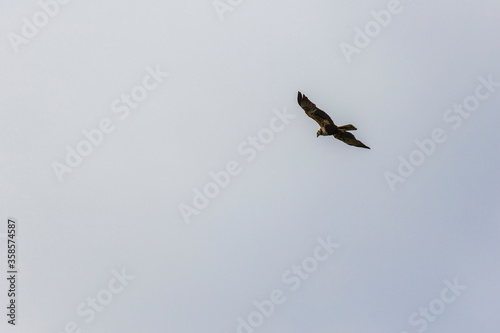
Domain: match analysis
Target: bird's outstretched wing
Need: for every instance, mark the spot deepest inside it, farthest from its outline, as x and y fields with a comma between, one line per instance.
x=312, y=111
x=350, y=139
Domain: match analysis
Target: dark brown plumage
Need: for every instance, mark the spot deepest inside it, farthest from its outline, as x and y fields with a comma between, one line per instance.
x=327, y=126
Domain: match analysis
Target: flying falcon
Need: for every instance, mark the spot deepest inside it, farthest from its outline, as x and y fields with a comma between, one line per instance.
x=327, y=127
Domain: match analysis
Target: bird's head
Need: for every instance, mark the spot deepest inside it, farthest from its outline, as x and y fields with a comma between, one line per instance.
x=321, y=131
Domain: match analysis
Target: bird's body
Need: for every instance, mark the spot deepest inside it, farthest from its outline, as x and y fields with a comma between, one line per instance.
x=327, y=126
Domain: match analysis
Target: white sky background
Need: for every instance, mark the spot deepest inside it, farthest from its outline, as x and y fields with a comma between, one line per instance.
x=119, y=208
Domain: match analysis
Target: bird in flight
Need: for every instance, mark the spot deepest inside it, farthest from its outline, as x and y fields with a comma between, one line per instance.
x=327, y=127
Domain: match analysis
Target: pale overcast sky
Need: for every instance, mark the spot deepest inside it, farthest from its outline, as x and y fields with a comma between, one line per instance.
x=163, y=177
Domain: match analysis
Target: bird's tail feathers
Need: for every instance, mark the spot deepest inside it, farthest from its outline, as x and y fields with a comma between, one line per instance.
x=348, y=127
